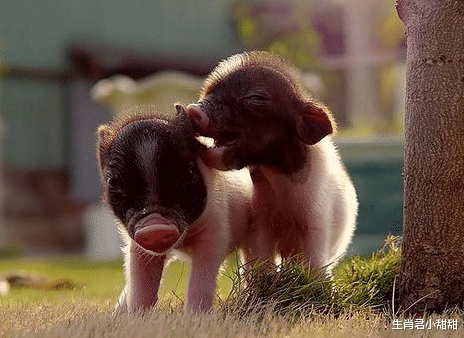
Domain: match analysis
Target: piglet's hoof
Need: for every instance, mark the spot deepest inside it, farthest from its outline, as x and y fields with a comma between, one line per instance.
x=156, y=237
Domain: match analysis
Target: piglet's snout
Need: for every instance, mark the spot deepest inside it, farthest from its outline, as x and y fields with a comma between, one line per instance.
x=156, y=234
x=198, y=117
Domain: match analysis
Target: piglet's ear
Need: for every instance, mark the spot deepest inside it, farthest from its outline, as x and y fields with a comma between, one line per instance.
x=104, y=138
x=313, y=123
x=180, y=108
x=183, y=118
x=103, y=133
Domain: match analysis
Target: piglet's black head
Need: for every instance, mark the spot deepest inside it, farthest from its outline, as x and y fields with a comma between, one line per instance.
x=149, y=166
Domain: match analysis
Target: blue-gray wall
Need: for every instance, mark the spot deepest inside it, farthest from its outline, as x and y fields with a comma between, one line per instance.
x=36, y=33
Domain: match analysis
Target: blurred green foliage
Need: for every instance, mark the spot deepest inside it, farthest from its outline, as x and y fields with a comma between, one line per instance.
x=287, y=29
x=282, y=28
x=390, y=31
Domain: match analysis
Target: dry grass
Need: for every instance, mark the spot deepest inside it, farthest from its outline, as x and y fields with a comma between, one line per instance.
x=357, y=302
x=83, y=319
x=25, y=317
x=87, y=320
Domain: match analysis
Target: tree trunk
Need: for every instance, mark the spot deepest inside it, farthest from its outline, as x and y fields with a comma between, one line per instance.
x=432, y=271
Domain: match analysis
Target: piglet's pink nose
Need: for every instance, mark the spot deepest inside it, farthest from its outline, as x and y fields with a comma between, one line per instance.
x=157, y=237
x=197, y=116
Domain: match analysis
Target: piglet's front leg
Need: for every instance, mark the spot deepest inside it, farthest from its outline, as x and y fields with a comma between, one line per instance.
x=207, y=257
x=143, y=276
x=202, y=283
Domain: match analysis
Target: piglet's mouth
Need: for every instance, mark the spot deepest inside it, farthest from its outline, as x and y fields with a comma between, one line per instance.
x=216, y=148
x=219, y=153
x=203, y=127
x=218, y=141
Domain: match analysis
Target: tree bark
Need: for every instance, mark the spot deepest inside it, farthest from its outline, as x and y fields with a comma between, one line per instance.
x=432, y=271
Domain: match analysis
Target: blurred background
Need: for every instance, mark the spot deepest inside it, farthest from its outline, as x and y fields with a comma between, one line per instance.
x=66, y=66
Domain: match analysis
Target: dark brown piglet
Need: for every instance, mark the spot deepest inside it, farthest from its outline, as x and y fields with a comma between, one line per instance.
x=260, y=116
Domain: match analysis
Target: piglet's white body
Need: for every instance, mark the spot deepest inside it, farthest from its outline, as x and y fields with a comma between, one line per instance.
x=220, y=229
x=310, y=213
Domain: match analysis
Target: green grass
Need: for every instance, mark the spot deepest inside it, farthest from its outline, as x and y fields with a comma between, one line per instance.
x=370, y=281
x=291, y=302
x=364, y=284
x=94, y=280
